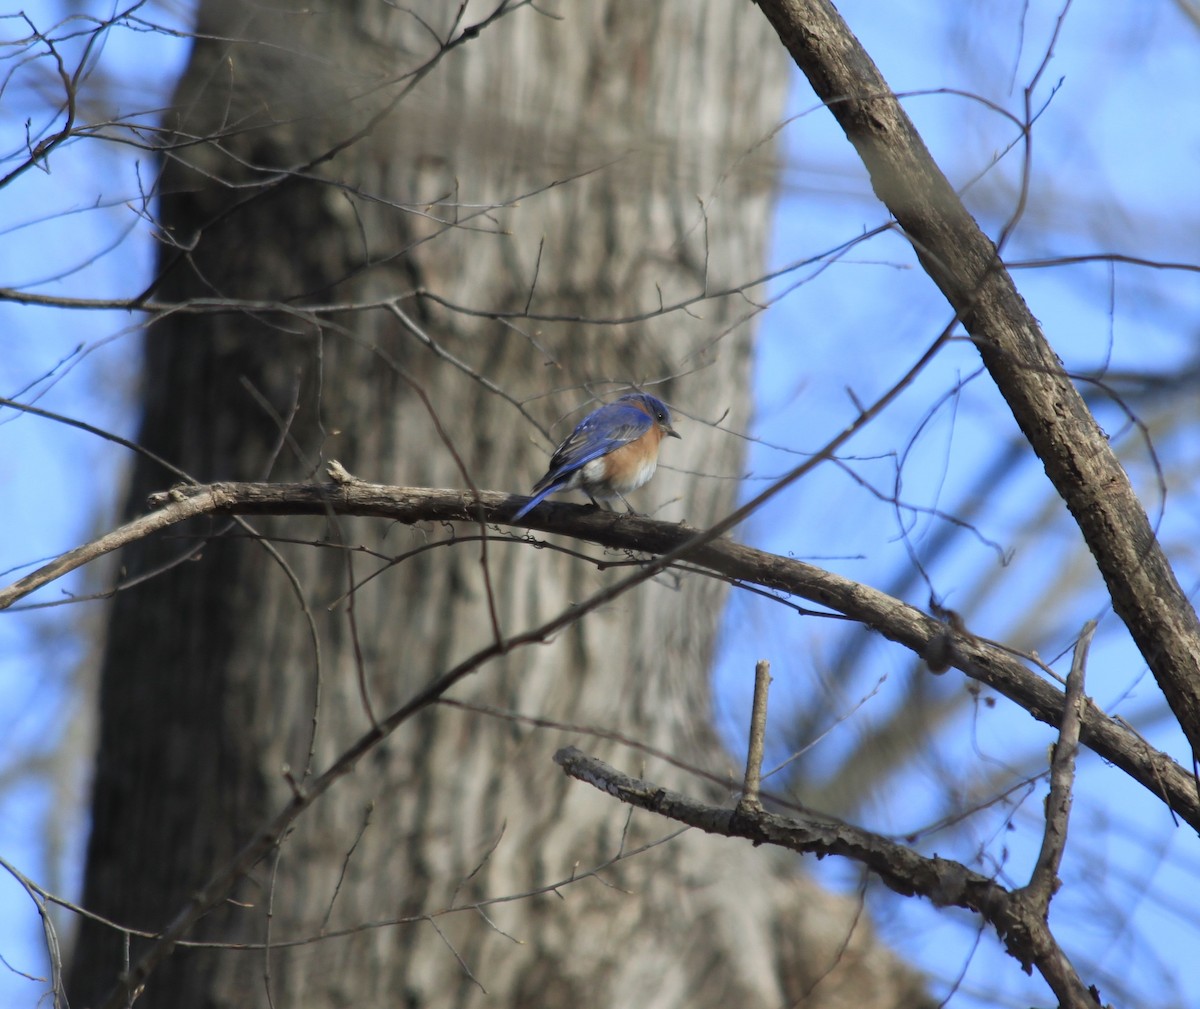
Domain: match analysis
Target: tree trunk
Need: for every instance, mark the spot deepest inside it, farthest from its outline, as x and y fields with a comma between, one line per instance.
x=220, y=674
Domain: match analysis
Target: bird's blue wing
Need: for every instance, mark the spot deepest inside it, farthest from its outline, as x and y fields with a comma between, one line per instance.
x=602, y=431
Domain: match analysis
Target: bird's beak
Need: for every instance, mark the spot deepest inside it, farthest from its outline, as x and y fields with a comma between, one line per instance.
x=671, y=432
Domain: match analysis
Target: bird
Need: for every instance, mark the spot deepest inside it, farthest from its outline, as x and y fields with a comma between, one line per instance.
x=611, y=452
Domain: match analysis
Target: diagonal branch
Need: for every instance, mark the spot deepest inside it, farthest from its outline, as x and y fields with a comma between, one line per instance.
x=946, y=883
x=965, y=265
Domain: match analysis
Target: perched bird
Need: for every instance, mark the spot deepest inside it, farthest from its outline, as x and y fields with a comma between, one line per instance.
x=613, y=450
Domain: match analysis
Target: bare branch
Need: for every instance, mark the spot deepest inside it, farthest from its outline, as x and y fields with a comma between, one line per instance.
x=942, y=881
x=758, y=731
x=921, y=633
x=1044, y=882
x=966, y=266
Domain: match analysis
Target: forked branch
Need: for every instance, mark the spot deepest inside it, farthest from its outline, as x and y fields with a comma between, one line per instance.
x=1051, y=413
x=1016, y=917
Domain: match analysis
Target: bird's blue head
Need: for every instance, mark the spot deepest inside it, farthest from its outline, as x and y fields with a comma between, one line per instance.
x=655, y=409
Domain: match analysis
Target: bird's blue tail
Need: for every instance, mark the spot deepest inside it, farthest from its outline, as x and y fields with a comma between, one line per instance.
x=533, y=502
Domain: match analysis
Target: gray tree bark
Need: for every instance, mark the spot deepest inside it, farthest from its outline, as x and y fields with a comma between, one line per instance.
x=292, y=181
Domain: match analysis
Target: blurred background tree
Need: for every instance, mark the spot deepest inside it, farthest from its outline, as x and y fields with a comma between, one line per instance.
x=479, y=206
x=938, y=499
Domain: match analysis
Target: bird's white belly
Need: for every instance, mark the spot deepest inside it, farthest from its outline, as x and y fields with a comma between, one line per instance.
x=594, y=477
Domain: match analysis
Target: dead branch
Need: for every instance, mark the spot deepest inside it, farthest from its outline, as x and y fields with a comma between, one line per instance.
x=921, y=633
x=946, y=883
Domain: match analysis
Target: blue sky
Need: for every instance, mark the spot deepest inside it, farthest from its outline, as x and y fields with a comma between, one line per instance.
x=1113, y=170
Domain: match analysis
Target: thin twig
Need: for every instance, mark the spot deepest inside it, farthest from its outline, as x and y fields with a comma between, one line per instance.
x=758, y=732
x=1044, y=882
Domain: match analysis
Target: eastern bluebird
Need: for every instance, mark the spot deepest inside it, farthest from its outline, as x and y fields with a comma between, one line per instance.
x=613, y=451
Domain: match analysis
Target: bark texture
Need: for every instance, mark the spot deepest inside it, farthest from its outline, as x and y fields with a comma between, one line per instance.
x=305, y=186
